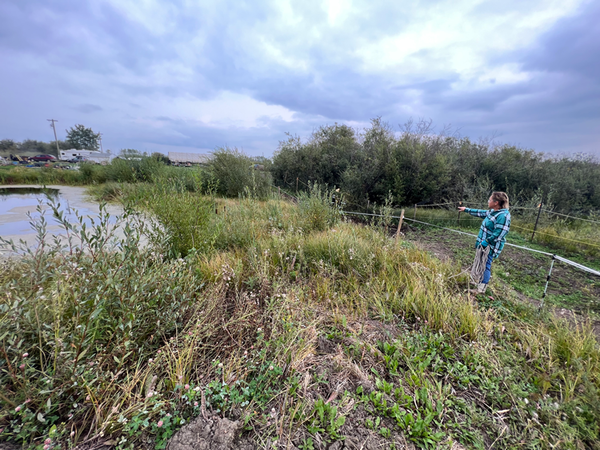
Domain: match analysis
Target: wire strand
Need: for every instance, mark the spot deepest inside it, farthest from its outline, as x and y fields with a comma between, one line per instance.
x=560, y=258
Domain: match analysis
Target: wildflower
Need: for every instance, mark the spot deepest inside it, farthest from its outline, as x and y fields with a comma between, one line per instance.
x=186, y=387
x=197, y=388
x=195, y=403
x=72, y=434
x=46, y=447
x=220, y=365
x=168, y=415
x=48, y=441
x=25, y=355
x=17, y=409
x=22, y=366
x=28, y=400
x=160, y=423
x=270, y=367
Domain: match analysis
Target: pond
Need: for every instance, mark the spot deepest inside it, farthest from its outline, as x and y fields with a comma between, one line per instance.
x=21, y=204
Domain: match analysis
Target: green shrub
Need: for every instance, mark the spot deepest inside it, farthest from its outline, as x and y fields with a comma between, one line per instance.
x=319, y=208
x=235, y=174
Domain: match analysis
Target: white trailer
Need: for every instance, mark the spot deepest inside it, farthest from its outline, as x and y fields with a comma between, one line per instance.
x=90, y=155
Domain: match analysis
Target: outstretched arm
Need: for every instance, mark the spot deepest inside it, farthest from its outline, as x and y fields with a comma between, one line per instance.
x=474, y=212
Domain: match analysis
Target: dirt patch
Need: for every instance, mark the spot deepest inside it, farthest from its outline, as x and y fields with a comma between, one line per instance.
x=212, y=433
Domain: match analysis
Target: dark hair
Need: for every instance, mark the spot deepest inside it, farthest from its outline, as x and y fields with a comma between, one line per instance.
x=501, y=198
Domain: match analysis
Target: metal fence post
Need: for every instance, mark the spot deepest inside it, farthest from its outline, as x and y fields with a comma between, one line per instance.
x=547, y=281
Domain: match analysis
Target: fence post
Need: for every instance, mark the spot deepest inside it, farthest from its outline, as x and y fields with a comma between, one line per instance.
x=536, y=221
x=296, y=185
x=458, y=220
x=399, y=225
x=547, y=281
x=415, y=215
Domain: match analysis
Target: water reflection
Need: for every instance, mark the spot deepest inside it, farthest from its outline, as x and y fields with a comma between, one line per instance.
x=16, y=203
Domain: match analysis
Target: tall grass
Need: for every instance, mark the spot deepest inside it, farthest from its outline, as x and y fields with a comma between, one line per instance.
x=115, y=342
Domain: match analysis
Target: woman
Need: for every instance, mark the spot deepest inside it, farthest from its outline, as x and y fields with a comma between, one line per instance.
x=492, y=233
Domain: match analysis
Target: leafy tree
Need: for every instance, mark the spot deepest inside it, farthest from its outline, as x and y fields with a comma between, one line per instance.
x=33, y=146
x=8, y=145
x=235, y=173
x=80, y=137
x=131, y=153
x=161, y=158
x=330, y=151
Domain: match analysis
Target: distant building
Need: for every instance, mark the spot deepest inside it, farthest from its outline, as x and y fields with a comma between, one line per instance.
x=91, y=155
x=189, y=158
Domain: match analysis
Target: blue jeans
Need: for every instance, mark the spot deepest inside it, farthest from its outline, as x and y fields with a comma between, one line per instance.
x=488, y=268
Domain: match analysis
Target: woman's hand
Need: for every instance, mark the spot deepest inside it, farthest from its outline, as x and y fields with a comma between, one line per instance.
x=461, y=208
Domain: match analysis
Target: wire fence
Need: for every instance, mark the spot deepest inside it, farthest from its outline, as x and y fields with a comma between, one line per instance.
x=521, y=208
x=459, y=219
x=560, y=258
x=554, y=257
x=461, y=203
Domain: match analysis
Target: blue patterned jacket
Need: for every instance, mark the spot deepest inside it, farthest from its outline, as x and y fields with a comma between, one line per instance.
x=494, y=228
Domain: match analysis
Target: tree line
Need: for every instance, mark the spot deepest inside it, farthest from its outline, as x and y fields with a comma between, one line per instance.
x=415, y=166
x=78, y=137
x=374, y=165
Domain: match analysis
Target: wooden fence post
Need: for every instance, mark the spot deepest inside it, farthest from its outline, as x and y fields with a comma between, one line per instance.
x=415, y=215
x=458, y=220
x=399, y=225
x=536, y=221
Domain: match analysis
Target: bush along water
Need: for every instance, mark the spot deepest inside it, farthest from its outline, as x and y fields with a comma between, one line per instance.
x=306, y=330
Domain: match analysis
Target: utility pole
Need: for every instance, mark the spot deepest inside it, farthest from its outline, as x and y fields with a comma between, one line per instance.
x=55, y=138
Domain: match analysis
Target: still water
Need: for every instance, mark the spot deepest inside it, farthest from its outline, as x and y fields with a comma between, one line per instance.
x=19, y=206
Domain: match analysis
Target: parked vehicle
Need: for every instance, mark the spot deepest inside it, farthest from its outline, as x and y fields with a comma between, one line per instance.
x=78, y=159
x=47, y=158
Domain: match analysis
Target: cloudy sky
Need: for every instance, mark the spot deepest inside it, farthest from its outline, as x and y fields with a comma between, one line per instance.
x=191, y=75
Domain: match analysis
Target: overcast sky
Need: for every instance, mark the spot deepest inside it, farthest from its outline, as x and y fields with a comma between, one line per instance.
x=186, y=75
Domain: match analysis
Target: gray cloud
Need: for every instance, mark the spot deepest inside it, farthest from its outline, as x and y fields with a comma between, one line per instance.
x=87, y=108
x=62, y=53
